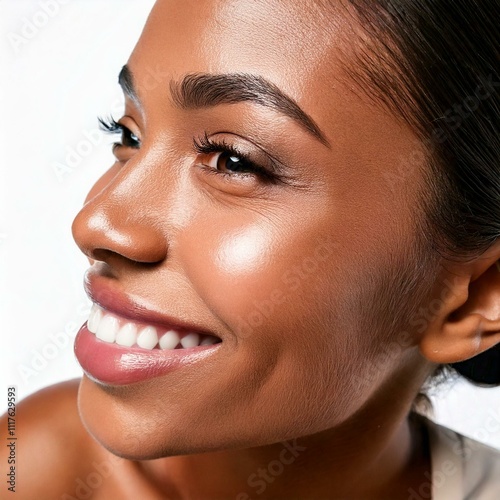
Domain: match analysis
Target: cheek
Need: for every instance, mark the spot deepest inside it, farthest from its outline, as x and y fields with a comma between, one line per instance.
x=277, y=285
x=255, y=273
x=245, y=275
x=243, y=253
x=274, y=287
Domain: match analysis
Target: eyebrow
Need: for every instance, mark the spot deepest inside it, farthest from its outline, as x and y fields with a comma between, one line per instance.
x=126, y=82
x=202, y=90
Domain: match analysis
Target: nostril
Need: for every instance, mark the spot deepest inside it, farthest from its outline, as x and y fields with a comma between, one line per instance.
x=113, y=258
x=101, y=254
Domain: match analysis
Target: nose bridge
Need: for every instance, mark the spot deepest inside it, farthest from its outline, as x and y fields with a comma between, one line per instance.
x=120, y=219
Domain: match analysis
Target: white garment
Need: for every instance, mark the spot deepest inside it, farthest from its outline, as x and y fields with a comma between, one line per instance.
x=462, y=468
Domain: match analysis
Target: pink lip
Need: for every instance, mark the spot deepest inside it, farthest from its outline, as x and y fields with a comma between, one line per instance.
x=113, y=300
x=117, y=365
x=112, y=364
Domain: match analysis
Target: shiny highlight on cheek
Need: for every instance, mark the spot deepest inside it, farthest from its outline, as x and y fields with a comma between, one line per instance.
x=244, y=252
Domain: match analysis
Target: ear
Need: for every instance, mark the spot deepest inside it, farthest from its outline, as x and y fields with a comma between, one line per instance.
x=466, y=322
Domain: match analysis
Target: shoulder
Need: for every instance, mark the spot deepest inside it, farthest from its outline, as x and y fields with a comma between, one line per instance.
x=51, y=446
x=51, y=415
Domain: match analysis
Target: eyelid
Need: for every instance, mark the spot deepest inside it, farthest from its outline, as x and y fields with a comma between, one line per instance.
x=250, y=151
x=208, y=145
x=111, y=126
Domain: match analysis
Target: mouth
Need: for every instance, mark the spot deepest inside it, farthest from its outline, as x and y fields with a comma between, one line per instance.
x=123, y=342
x=114, y=329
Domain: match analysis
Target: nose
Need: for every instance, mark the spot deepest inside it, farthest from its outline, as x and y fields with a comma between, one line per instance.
x=117, y=219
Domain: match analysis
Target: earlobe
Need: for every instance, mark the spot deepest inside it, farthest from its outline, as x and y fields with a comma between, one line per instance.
x=468, y=321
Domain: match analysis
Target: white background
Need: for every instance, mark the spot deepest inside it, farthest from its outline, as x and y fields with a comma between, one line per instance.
x=59, y=71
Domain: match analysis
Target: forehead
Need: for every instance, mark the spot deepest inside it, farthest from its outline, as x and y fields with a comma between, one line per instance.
x=294, y=44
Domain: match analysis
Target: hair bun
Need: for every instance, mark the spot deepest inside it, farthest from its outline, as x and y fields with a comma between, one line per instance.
x=483, y=369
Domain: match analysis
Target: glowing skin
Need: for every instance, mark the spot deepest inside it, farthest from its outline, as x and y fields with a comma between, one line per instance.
x=305, y=281
x=320, y=246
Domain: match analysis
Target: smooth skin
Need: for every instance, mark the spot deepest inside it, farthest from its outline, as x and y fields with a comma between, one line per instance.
x=332, y=308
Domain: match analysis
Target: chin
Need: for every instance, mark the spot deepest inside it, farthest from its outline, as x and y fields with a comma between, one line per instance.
x=140, y=430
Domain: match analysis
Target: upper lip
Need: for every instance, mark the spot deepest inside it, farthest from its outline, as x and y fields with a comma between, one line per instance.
x=115, y=301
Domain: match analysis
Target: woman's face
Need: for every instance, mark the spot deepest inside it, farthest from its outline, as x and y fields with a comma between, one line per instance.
x=299, y=269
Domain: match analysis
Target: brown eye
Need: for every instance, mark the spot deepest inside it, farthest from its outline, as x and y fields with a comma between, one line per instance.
x=224, y=159
x=227, y=161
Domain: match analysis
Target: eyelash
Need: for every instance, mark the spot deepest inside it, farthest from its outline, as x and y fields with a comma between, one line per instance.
x=202, y=145
x=111, y=126
x=206, y=145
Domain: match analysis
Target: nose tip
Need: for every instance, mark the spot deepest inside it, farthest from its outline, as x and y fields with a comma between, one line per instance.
x=103, y=230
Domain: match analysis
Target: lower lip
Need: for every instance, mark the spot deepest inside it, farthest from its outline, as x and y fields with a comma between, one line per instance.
x=112, y=364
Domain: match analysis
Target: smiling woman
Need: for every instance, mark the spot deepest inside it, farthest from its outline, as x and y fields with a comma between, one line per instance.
x=295, y=236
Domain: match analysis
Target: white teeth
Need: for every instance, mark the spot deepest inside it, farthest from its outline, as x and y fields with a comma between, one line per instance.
x=114, y=329
x=94, y=318
x=127, y=335
x=190, y=340
x=148, y=338
x=107, y=329
x=208, y=341
x=169, y=340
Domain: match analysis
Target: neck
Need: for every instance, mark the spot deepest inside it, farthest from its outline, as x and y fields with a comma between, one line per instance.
x=378, y=453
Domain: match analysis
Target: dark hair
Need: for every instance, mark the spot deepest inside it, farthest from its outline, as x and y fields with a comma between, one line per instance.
x=436, y=64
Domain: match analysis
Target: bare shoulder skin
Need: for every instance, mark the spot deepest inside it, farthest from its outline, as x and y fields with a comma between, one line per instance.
x=56, y=458
x=52, y=442
x=48, y=429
